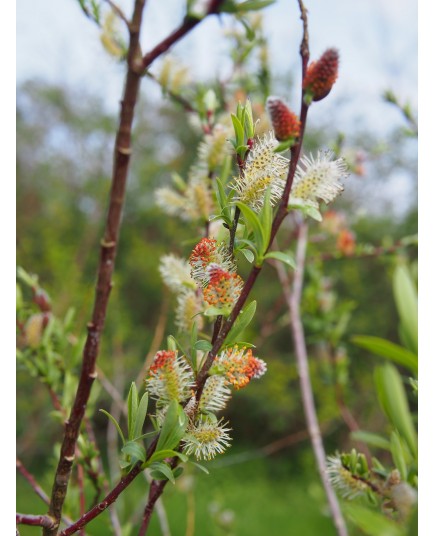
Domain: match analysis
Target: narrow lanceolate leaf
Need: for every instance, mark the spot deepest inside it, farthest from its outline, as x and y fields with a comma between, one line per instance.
x=388, y=350
x=204, y=346
x=406, y=302
x=394, y=402
x=239, y=130
x=398, y=454
x=141, y=416
x=287, y=258
x=240, y=324
x=133, y=403
x=266, y=217
x=173, y=428
x=115, y=422
x=253, y=221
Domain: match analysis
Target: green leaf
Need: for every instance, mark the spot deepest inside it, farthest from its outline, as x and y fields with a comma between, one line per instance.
x=244, y=318
x=398, y=455
x=203, y=345
x=249, y=5
x=371, y=522
x=215, y=311
x=394, y=402
x=239, y=130
x=287, y=258
x=132, y=403
x=250, y=256
x=375, y=440
x=387, y=349
x=168, y=453
x=136, y=451
x=173, y=428
x=253, y=221
x=115, y=422
x=161, y=471
x=249, y=124
x=141, y=416
x=266, y=217
x=221, y=195
x=406, y=302
x=284, y=146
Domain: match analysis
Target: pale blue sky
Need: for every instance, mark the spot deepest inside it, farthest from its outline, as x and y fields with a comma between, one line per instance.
x=377, y=40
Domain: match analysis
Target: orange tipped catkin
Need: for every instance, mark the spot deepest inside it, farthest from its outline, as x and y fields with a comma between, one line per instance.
x=285, y=123
x=322, y=74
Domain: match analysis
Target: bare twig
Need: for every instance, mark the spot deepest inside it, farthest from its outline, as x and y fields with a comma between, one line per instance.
x=37, y=521
x=293, y=302
x=118, y=11
x=37, y=488
x=159, y=509
x=187, y=25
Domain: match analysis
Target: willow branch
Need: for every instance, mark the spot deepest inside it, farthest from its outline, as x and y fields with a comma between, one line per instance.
x=281, y=214
x=293, y=302
x=122, y=153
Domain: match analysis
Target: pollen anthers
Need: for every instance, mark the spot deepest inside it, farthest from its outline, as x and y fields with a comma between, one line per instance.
x=285, y=123
x=264, y=169
x=239, y=366
x=318, y=179
x=206, y=438
x=207, y=252
x=170, y=378
x=224, y=288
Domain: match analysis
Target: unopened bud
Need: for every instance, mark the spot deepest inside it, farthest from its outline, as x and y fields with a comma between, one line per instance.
x=286, y=124
x=321, y=75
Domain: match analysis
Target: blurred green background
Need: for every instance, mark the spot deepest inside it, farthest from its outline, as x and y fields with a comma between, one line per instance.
x=267, y=482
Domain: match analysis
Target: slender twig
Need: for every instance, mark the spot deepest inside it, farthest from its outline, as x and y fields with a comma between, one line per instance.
x=37, y=488
x=122, y=155
x=187, y=25
x=37, y=521
x=159, y=509
x=155, y=491
x=118, y=11
x=293, y=302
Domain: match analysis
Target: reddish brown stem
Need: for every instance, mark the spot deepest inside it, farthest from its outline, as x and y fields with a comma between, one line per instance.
x=155, y=491
x=37, y=521
x=108, y=250
x=188, y=24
